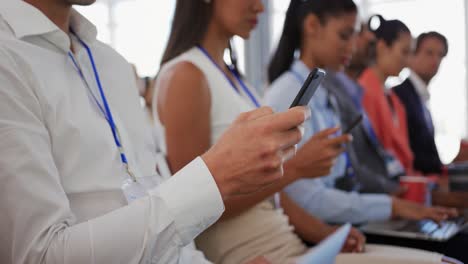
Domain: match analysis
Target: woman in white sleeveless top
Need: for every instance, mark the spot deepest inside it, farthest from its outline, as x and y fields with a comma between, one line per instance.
x=223, y=112
x=197, y=98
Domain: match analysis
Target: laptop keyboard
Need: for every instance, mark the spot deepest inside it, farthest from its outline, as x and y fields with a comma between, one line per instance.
x=425, y=226
x=425, y=229
x=434, y=230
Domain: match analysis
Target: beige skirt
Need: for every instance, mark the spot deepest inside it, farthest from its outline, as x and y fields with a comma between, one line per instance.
x=260, y=231
x=265, y=231
x=389, y=255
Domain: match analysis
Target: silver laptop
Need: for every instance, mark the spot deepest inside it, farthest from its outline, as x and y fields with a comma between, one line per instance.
x=423, y=230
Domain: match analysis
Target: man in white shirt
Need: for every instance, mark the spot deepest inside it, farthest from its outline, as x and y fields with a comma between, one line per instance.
x=76, y=155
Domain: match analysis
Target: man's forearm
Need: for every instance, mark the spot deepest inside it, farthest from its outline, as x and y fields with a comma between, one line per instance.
x=450, y=199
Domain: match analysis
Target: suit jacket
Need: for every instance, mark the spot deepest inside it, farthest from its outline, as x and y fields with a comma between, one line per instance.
x=367, y=162
x=426, y=156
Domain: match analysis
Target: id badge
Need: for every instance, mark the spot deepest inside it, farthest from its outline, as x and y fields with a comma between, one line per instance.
x=134, y=190
x=394, y=167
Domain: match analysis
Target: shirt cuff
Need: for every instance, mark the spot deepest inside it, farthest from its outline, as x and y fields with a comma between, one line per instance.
x=378, y=206
x=193, y=198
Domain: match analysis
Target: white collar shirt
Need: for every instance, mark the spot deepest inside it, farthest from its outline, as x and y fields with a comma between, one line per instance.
x=60, y=170
x=423, y=92
x=420, y=86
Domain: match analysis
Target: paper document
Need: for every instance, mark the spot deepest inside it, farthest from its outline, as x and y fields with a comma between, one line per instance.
x=326, y=251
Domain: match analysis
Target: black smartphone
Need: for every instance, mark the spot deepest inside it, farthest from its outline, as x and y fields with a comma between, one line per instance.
x=309, y=87
x=353, y=124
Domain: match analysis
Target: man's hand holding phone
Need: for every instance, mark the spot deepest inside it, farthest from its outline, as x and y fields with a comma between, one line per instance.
x=249, y=156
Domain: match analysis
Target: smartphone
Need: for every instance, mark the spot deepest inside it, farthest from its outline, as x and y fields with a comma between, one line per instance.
x=309, y=87
x=353, y=124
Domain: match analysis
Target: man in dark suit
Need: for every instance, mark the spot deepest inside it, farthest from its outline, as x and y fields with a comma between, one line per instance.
x=376, y=170
x=366, y=155
x=431, y=48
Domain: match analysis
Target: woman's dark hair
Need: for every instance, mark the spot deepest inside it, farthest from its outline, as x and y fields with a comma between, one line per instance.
x=387, y=30
x=291, y=37
x=189, y=25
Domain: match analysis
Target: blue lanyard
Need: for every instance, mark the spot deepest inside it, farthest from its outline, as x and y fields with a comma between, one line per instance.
x=105, y=109
x=394, y=168
x=235, y=74
x=366, y=122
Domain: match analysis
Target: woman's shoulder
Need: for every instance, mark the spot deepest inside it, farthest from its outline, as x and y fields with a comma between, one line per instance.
x=190, y=59
x=181, y=71
x=282, y=81
x=369, y=81
x=191, y=65
x=181, y=77
x=281, y=92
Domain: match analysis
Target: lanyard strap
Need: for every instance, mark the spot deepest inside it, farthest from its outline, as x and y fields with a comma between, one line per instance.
x=357, y=100
x=393, y=166
x=80, y=72
x=235, y=74
x=105, y=109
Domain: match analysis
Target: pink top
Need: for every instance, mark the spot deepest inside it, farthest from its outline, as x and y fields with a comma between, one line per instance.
x=388, y=117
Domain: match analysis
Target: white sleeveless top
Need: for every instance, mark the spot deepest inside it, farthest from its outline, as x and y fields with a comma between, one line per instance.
x=226, y=103
x=260, y=230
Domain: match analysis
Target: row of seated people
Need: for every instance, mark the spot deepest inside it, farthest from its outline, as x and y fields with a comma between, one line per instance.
x=374, y=160
x=79, y=164
x=197, y=96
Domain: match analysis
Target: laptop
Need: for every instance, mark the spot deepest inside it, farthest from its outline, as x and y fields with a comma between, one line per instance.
x=422, y=230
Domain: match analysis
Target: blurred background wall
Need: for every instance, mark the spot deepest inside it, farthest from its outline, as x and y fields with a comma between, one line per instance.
x=138, y=29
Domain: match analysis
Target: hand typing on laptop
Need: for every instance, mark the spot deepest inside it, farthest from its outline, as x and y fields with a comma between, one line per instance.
x=413, y=211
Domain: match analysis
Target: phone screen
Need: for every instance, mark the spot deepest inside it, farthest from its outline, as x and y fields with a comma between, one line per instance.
x=309, y=87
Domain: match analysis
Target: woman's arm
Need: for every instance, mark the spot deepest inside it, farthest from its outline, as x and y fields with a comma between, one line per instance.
x=183, y=104
x=313, y=230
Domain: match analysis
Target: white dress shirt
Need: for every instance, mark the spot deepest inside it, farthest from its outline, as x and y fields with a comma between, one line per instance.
x=422, y=90
x=421, y=87
x=60, y=170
